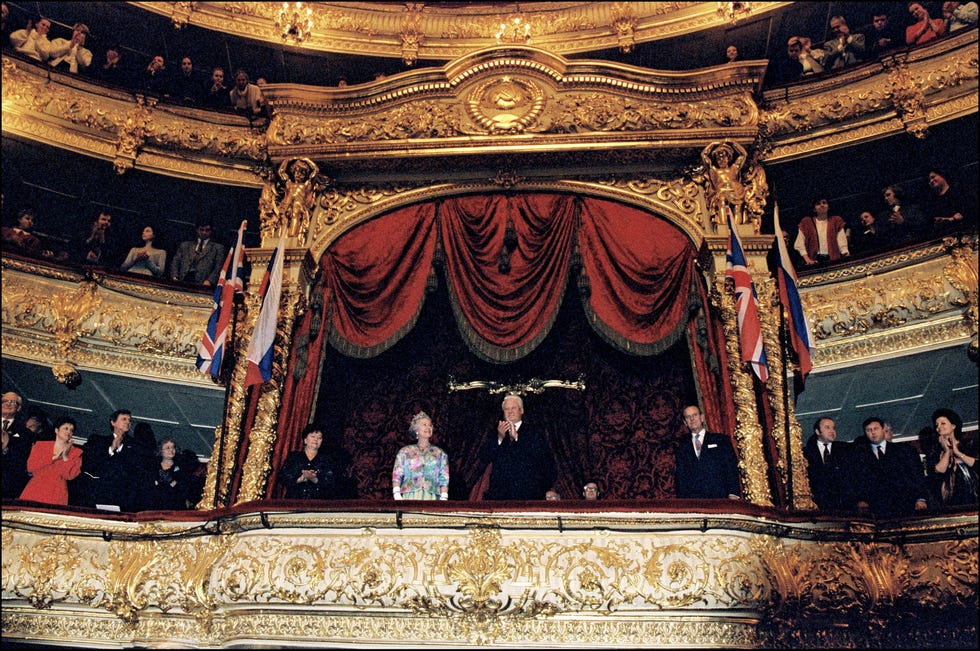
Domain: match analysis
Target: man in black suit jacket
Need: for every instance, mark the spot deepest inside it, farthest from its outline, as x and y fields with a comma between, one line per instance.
x=523, y=466
x=826, y=459
x=199, y=260
x=707, y=467
x=885, y=477
x=111, y=464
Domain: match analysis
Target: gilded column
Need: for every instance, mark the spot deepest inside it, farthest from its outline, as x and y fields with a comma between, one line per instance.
x=790, y=450
x=752, y=464
x=262, y=435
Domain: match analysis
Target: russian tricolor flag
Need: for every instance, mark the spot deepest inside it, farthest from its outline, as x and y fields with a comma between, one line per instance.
x=260, y=349
x=746, y=304
x=789, y=295
x=210, y=352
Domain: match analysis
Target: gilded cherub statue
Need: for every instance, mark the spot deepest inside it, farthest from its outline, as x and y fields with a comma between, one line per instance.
x=724, y=189
x=286, y=206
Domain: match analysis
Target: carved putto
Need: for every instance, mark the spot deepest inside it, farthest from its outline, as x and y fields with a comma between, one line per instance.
x=733, y=183
x=287, y=203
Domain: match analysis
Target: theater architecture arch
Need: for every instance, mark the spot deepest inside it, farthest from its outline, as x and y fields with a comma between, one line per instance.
x=508, y=119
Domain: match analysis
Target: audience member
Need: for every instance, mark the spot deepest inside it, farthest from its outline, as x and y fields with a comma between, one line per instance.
x=826, y=459
x=868, y=237
x=949, y=208
x=245, y=97
x=952, y=464
x=421, y=470
x=71, y=55
x=185, y=87
x=20, y=238
x=32, y=41
x=791, y=67
x=959, y=15
x=147, y=260
x=39, y=425
x=15, y=453
x=706, y=465
x=845, y=48
x=552, y=496
x=13, y=419
x=522, y=465
x=731, y=54
x=52, y=464
x=821, y=237
x=313, y=473
x=590, y=491
x=924, y=29
x=153, y=78
x=810, y=59
x=111, y=464
x=903, y=222
x=164, y=485
x=94, y=245
x=199, y=261
x=113, y=70
x=885, y=478
x=881, y=35
x=216, y=96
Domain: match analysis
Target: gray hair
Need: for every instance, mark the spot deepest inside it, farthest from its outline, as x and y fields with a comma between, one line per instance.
x=416, y=419
x=513, y=396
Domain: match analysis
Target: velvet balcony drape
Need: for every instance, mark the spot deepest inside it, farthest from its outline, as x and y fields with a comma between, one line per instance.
x=506, y=260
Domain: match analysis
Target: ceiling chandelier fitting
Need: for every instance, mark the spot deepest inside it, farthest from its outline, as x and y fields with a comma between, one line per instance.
x=294, y=23
x=734, y=11
x=516, y=29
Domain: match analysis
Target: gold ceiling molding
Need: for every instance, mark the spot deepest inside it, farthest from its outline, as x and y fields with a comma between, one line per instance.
x=906, y=91
x=500, y=580
x=446, y=31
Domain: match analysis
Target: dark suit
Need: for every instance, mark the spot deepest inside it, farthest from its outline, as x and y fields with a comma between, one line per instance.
x=828, y=479
x=109, y=479
x=713, y=475
x=890, y=485
x=523, y=469
x=197, y=267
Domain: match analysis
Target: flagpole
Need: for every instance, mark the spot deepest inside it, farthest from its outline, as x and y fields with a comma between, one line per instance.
x=227, y=372
x=786, y=427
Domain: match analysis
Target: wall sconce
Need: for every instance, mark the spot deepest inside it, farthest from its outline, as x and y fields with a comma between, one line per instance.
x=293, y=23
x=516, y=29
x=734, y=11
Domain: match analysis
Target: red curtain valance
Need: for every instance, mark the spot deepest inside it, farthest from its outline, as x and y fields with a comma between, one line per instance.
x=507, y=260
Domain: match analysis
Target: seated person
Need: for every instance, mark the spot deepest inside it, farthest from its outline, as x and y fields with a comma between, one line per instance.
x=313, y=473
x=421, y=470
x=959, y=15
x=923, y=28
x=147, y=260
x=590, y=491
x=821, y=237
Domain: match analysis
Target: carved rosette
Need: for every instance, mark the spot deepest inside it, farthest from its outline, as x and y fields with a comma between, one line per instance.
x=748, y=432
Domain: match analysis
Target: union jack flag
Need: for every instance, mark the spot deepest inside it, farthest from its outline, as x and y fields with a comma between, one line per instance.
x=210, y=352
x=746, y=303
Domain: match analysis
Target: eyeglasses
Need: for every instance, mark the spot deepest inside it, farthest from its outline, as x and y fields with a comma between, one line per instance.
x=590, y=489
x=11, y=402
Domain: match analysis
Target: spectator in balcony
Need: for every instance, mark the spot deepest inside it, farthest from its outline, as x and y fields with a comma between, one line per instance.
x=552, y=496
x=95, y=245
x=925, y=28
x=731, y=54
x=113, y=70
x=153, y=78
x=868, y=237
x=199, y=261
x=706, y=465
x=14, y=476
x=949, y=208
x=164, y=485
x=952, y=462
x=111, y=464
x=590, y=491
x=71, y=55
x=52, y=464
x=32, y=41
x=246, y=97
x=826, y=465
x=821, y=237
x=904, y=222
x=314, y=473
x=421, y=470
x=216, y=95
x=20, y=237
x=147, y=260
x=186, y=88
x=881, y=35
x=845, y=48
x=959, y=15
x=885, y=477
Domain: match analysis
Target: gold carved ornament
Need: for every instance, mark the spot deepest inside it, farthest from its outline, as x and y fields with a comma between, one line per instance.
x=506, y=105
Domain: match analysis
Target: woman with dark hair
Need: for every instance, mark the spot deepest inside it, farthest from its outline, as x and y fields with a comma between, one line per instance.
x=952, y=463
x=148, y=260
x=313, y=473
x=53, y=464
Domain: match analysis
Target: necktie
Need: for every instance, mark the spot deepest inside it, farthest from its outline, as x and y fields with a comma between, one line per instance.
x=6, y=424
x=826, y=454
x=878, y=452
x=200, y=245
x=697, y=445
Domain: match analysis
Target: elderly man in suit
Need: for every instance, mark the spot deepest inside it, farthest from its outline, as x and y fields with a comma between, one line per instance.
x=707, y=467
x=523, y=466
x=199, y=261
x=826, y=459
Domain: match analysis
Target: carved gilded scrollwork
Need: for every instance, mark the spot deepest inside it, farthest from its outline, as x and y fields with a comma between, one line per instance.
x=961, y=273
x=624, y=21
x=131, y=133
x=906, y=93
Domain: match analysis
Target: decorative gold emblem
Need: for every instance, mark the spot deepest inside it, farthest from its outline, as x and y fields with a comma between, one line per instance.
x=506, y=105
